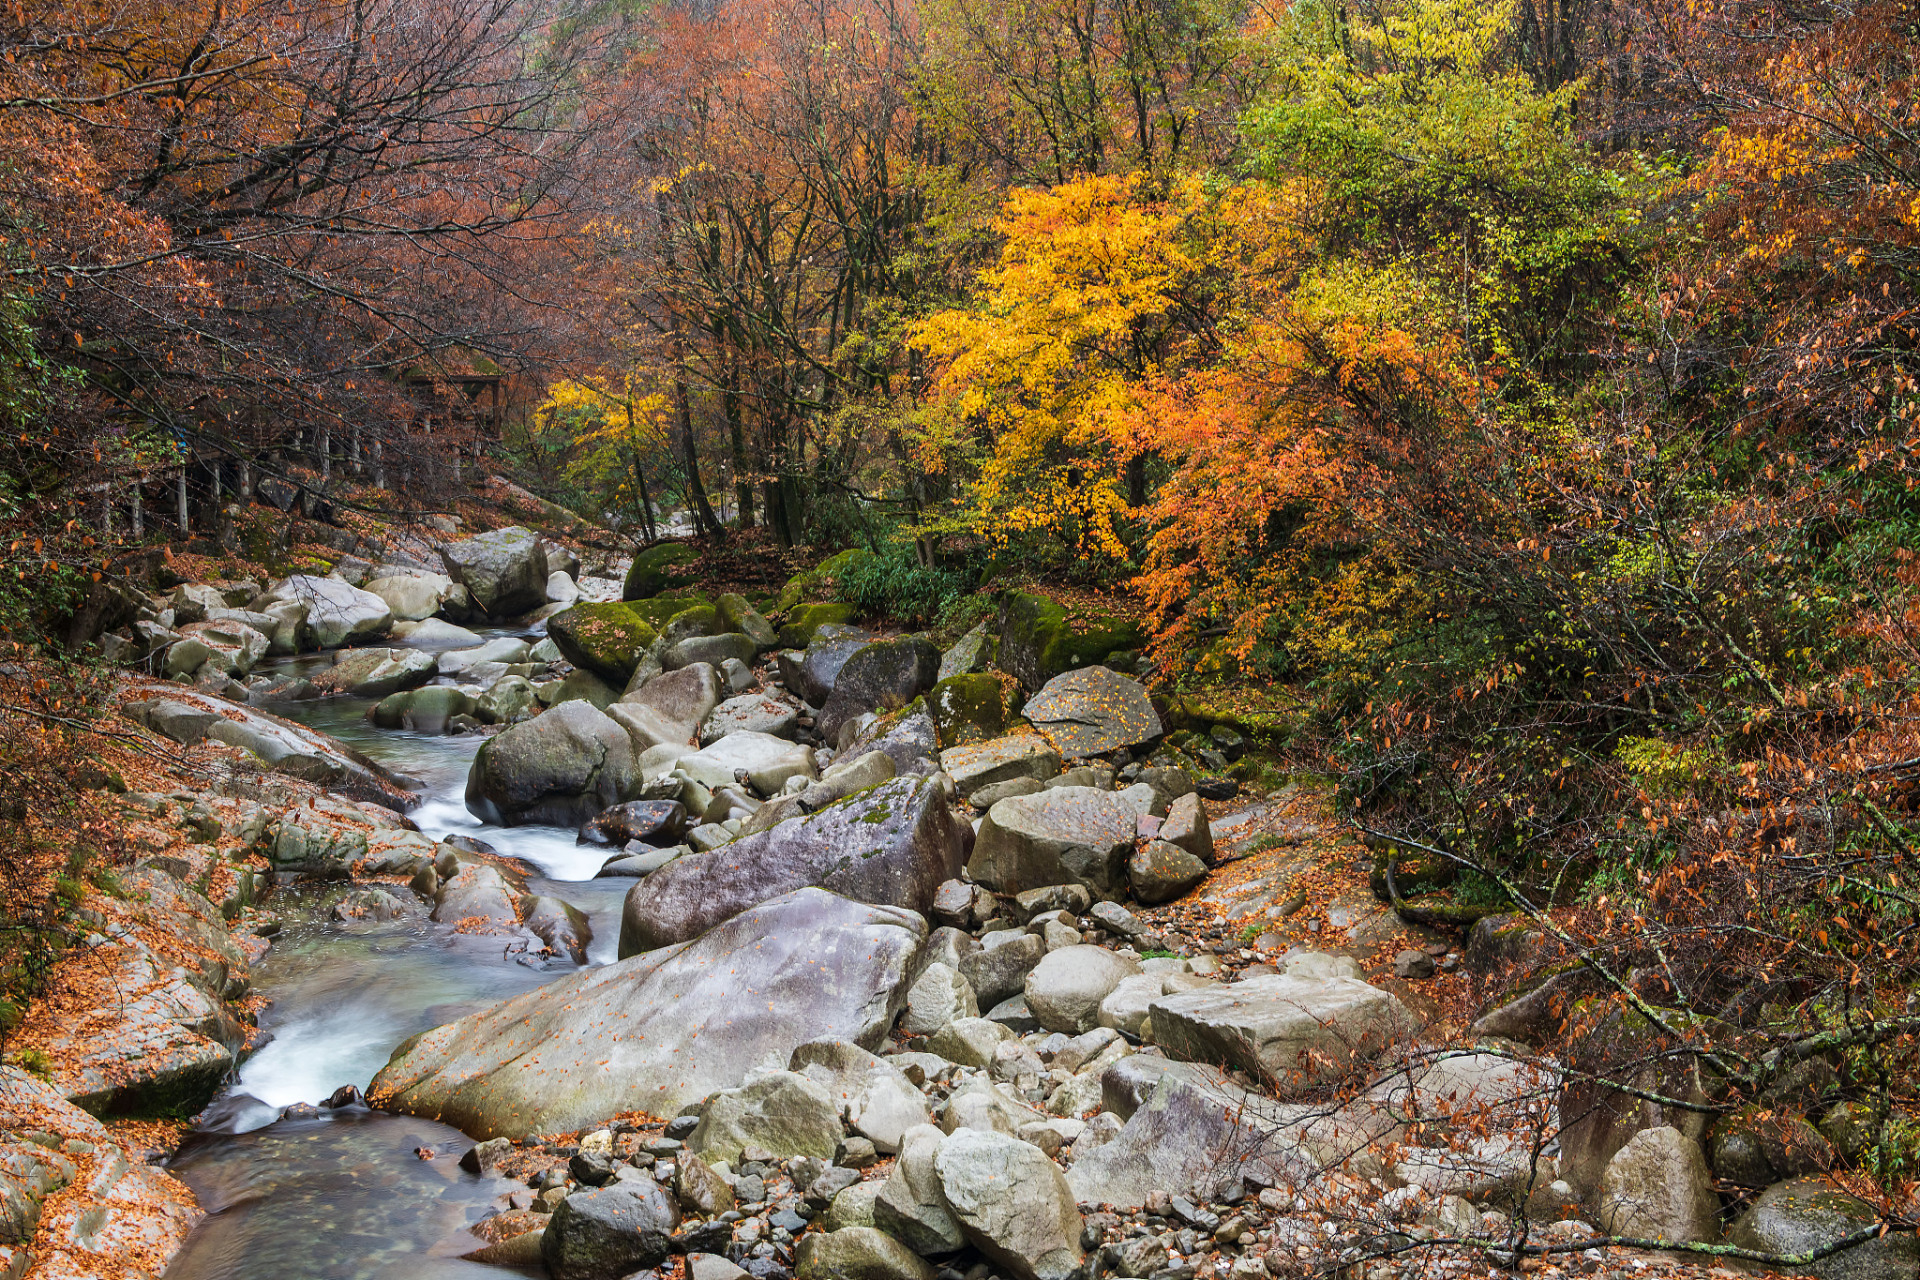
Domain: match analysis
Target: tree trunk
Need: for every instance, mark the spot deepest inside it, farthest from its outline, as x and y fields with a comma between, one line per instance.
x=139, y=514
x=742, y=482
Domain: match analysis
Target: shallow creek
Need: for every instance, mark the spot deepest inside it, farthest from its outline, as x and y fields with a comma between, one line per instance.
x=345, y=1196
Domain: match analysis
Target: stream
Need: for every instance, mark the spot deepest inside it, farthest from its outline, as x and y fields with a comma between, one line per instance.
x=344, y=1196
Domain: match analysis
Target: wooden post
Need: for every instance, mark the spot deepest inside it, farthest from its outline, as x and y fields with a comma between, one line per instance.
x=326, y=453
x=354, y=452
x=181, y=491
x=379, y=463
x=138, y=512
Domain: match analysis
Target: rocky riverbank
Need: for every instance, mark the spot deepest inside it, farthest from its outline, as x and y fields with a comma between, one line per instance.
x=955, y=963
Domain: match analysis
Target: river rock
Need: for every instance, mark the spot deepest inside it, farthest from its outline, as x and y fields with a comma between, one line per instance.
x=1186, y=825
x=1012, y=1203
x=375, y=673
x=1658, y=1187
x=413, y=597
x=437, y=633
x=657, y=1031
x=609, y=1232
x=883, y=676
x=1063, y=835
x=744, y=618
x=1065, y=989
x=657, y=822
x=1016, y=756
x=812, y=674
x=970, y=653
x=876, y=1098
x=1807, y=1213
x=713, y=650
x=1160, y=872
x=561, y=925
x=750, y=713
x=508, y=700
x=236, y=646
x=782, y=1112
x=562, y=767
x=909, y=1205
x=427, y=710
x=1297, y=1031
x=893, y=845
x=668, y=709
x=463, y=662
x=856, y=1253
x=1092, y=712
x=1000, y=968
x=609, y=639
x=937, y=997
x=338, y=612
x=504, y=571
x=189, y=717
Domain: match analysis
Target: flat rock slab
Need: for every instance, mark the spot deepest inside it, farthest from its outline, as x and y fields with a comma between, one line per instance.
x=1063, y=835
x=1093, y=711
x=1018, y=755
x=1295, y=1032
x=893, y=845
x=658, y=1031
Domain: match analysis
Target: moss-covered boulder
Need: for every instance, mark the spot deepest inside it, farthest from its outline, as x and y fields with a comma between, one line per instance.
x=973, y=708
x=741, y=616
x=659, y=568
x=821, y=581
x=688, y=624
x=805, y=619
x=607, y=639
x=1040, y=638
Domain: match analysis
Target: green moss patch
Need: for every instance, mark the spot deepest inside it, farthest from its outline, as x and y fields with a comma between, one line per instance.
x=607, y=639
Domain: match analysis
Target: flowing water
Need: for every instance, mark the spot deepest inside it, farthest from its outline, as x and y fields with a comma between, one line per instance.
x=346, y=1196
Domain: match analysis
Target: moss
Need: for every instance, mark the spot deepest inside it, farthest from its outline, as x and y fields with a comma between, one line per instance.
x=1039, y=639
x=973, y=708
x=658, y=568
x=806, y=619
x=661, y=610
x=607, y=639
x=821, y=581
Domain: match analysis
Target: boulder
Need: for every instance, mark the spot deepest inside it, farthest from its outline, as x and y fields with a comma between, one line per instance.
x=970, y=653
x=1012, y=1203
x=1019, y=755
x=909, y=742
x=561, y=588
x=609, y=640
x=578, y=686
x=877, y=1099
x=505, y=572
x=508, y=700
x=883, y=676
x=499, y=650
x=437, y=633
x=713, y=650
x=413, y=597
x=814, y=673
x=660, y=567
x=1000, y=968
x=237, y=646
x=1160, y=872
x=655, y=822
x=938, y=996
x=969, y=1041
x=655, y=1032
x=1296, y=1031
x=1193, y=1135
x=856, y=1253
x=973, y=708
x=375, y=673
x=1093, y=711
x=782, y=1112
x=893, y=846
x=338, y=612
x=669, y=708
x=909, y=1206
x=1187, y=827
x=803, y=622
x=609, y=1232
x=1658, y=1187
x=747, y=620
x=768, y=762
x=1805, y=1214
x=753, y=713
x=1038, y=640
x=427, y=710
x=1065, y=989
x=561, y=767
x=1063, y=835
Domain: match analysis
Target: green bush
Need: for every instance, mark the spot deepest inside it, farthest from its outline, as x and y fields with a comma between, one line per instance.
x=894, y=584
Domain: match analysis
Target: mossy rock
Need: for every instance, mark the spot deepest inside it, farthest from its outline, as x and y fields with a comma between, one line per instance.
x=699, y=620
x=607, y=639
x=662, y=610
x=973, y=708
x=1039, y=639
x=658, y=568
x=804, y=620
x=821, y=581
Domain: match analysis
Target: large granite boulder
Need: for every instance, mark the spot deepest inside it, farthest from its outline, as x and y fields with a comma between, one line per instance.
x=1658, y=1187
x=657, y=1031
x=984, y=764
x=1065, y=989
x=338, y=612
x=608, y=1232
x=659, y=568
x=1313, y=1025
x=1039, y=639
x=561, y=767
x=782, y=1111
x=1093, y=711
x=883, y=676
x=504, y=571
x=1063, y=835
x=668, y=709
x=375, y=673
x=892, y=845
x=414, y=597
x=236, y=646
x=1811, y=1213
x=609, y=640
x=813, y=673
x=1012, y=1203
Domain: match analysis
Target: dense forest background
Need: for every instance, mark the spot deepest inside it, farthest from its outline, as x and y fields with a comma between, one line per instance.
x=1525, y=389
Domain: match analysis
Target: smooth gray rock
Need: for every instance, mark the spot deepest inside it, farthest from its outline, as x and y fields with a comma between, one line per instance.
x=938, y=996
x=753, y=712
x=813, y=673
x=1015, y=756
x=338, y=612
x=561, y=767
x=1658, y=1187
x=713, y=650
x=893, y=845
x=658, y=1031
x=876, y=1098
x=412, y=597
x=1066, y=835
x=856, y=1253
x=1093, y=711
x=504, y=571
x=1186, y=825
x=1065, y=989
x=1809, y=1213
x=1000, y=971
x=910, y=1206
x=375, y=673
x=669, y=707
x=1160, y=872
x=1295, y=1032
x=783, y=1112
x=969, y=654
x=1012, y=1203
